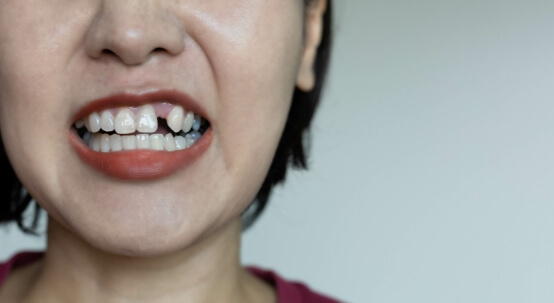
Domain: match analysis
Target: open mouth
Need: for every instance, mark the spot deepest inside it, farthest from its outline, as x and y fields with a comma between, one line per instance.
x=159, y=126
x=141, y=137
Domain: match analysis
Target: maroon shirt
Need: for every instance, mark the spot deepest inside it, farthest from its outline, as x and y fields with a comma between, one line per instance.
x=287, y=292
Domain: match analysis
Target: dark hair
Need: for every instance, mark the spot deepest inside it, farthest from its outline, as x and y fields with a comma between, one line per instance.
x=292, y=149
x=294, y=144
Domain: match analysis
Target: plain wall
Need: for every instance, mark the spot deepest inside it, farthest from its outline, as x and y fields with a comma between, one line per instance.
x=432, y=160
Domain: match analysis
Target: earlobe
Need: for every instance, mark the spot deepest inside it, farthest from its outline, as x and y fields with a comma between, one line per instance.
x=315, y=11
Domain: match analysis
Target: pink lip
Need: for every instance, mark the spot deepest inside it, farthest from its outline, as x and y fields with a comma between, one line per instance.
x=140, y=164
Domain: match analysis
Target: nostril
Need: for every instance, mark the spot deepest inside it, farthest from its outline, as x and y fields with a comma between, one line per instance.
x=131, y=58
x=109, y=52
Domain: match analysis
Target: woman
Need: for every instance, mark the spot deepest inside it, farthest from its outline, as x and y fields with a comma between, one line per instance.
x=145, y=129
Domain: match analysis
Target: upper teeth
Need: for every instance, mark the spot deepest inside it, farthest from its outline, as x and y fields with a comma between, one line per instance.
x=124, y=122
x=188, y=121
x=143, y=119
x=147, y=122
x=92, y=122
x=107, y=122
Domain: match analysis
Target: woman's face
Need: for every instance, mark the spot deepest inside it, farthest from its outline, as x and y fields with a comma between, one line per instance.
x=112, y=64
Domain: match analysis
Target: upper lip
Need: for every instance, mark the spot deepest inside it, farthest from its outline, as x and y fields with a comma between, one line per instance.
x=122, y=100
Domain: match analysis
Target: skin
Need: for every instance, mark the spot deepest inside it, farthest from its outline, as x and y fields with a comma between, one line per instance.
x=175, y=239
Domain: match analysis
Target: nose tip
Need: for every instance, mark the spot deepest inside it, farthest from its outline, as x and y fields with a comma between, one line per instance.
x=133, y=34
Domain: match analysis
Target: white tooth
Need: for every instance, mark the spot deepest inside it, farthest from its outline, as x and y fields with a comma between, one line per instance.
x=169, y=142
x=188, y=121
x=180, y=142
x=115, y=142
x=143, y=141
x=196, y=124
x=107, y=121
x=147, y=122
x=95, y=142
x=175, y=119
x=79, y=124
x=129, y=142
x=125, y=122
x=191, y=139
x=105, y=143
x=93, y=122
x=196, y=135
x=157, y=142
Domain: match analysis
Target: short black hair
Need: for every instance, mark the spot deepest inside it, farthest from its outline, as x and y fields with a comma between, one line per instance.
x=291, y=151
x=294, y=144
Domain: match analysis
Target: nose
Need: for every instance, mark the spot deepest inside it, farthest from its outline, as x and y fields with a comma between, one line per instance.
x=133, y=31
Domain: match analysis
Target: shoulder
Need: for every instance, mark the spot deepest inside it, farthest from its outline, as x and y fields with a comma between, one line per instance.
x=19, y=260
x=287, y=291
x=16, y=274
x=291, y=291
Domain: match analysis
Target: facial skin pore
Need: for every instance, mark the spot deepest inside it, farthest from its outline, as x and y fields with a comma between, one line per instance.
x=172, y=239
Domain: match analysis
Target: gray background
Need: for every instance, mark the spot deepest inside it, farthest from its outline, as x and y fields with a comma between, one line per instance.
x=432, y=159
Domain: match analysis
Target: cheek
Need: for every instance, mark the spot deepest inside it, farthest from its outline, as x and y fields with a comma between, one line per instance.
x=255, y=62
x=36, y=46
x=38, y=42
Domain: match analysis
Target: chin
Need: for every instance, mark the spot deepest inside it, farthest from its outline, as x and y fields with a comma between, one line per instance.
x=140, y=232
x=144, y=241
x=143, y=247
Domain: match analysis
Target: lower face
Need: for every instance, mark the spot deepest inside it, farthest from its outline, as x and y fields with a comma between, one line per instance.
x=145, y=143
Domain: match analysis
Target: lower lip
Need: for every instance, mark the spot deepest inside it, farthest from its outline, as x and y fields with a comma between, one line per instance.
x=140, y=164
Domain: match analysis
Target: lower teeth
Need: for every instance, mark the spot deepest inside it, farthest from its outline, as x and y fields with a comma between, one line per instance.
x=111, y=143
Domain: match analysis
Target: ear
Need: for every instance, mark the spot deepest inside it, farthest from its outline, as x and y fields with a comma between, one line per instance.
x=313, y=31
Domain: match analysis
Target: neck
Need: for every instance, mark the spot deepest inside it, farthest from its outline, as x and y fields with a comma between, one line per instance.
x=74, y=271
